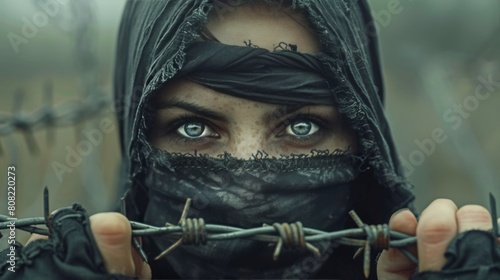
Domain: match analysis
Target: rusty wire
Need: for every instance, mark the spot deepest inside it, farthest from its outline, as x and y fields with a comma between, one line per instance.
x=194, y=231
x=189, y=234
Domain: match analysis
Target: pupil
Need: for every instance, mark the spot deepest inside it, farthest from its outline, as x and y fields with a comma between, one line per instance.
x=194, y=129
x=301, y=128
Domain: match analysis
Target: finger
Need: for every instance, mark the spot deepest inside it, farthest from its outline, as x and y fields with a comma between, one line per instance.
x=35, y=236
x=112, y=233
x=393, y=264
x=471, y=217
x=436, y=228
x=142, y=269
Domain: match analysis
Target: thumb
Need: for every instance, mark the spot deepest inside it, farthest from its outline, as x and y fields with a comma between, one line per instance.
x=112, y=234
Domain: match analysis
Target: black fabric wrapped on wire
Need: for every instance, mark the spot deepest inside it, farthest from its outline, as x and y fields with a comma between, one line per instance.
x=55, y=258
x=464, y=261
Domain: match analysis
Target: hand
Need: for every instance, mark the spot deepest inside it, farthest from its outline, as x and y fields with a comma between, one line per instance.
x=439, y=223
x=112, y=234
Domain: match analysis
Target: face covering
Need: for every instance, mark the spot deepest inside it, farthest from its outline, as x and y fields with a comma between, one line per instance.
x=314, y=189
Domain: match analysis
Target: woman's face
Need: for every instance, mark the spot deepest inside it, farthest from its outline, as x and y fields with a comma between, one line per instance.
x=192, y=117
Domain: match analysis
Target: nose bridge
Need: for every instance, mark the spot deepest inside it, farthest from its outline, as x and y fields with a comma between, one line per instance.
x=247, y=138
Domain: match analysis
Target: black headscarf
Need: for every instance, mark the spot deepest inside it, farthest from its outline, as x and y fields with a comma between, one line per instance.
x=156, y=35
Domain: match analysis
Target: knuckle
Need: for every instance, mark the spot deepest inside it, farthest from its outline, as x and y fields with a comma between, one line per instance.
x=110, y=224
x=444, y=202
x=403, y=219
x=436, y=229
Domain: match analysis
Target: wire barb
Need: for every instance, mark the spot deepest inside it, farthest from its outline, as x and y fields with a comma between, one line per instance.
x=377, y=236
x=193, y=231
x=494, y=216
x=138, y=247
x=181, y=240
x=291, y=236
x=46, y=211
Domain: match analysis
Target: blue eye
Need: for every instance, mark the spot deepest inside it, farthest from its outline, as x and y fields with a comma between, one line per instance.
x=302, y=128
x=193, y=129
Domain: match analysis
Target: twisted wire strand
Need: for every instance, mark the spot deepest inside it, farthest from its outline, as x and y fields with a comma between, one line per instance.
x=291, y=236
x=215, y=232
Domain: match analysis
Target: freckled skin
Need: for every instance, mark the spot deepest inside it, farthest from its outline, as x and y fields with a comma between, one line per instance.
x=246, y=129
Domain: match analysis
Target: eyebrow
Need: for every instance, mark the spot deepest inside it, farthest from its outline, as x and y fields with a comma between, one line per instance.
x=273, y=115
x=191, y=107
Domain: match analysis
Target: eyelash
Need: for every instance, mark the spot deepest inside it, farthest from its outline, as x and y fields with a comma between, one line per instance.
x=317, y=119
x=185, y=118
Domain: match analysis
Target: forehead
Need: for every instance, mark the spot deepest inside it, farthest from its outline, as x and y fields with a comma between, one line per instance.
x=266, y=26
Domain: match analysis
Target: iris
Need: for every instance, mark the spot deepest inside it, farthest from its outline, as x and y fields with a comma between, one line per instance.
x=193, y=129
x=303, y=128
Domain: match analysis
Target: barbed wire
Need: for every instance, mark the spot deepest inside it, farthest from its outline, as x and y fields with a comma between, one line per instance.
x=68, y=113
x=75, y=18
x=194, y=231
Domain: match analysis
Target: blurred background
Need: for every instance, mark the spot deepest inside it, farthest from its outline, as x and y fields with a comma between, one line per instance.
x=441, y=63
